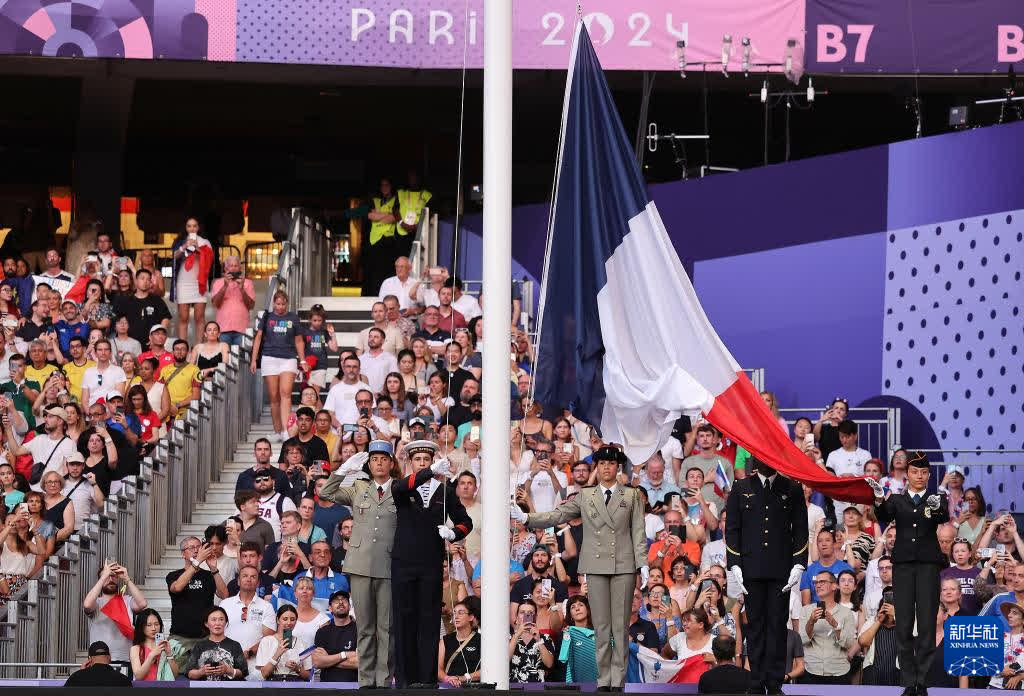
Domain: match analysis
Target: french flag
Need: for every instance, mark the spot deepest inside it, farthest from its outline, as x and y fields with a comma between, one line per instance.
x=623, y=338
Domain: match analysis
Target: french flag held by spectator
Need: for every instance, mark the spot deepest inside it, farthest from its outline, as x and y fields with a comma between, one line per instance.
x=623, y=338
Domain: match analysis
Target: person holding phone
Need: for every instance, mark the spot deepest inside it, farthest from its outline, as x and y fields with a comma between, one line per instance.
x=531, y=653
x=765, y=533
x=1013, y=649
x=190, y=276
x=610, y=561
x=151, y=649
x=827, y=629
x=281, y=656
x=917, y=561
x=216, y=657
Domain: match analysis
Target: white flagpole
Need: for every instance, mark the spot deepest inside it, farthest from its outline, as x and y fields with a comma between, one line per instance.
x=497, y=244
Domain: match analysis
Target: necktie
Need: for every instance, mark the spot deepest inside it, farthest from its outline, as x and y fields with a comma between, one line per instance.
x=380, y=493
x=917, y=499
x=768, y=486
x=607, y=496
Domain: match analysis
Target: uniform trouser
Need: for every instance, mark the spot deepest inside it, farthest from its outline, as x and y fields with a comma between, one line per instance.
x=416, y=595
x=767, y=608
x=916, y=592
x=371, y=598
x=611, y=598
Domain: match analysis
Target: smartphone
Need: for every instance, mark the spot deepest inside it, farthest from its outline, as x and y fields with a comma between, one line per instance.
x=1015, y=666
x=887, y=598
x=318, y=467
x=288, y=538
x=703, y=586
x=22, y=508
x=423, y=390
x=288, y=638
x=821, y=605
x=1000, y=549
x=349, y=428
x=678, y=530
x=159, y=638
x=666, y=600
x=688, y=492
x=529, y=616
x=512, y=356
x=567, y=448
x=364, y=412
x=676, y=504
x=546, y=584
x=809, y=440
x=986, y=552
x=474, y=433
x=549, y=530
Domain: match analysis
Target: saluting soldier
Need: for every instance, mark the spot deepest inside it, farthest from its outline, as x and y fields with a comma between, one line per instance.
x=368, y=561
x=614, y=549
x=416, y=564
x=766, y=533
x=916, y=563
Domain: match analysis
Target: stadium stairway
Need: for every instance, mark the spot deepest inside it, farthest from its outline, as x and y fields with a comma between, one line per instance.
x=349, y=315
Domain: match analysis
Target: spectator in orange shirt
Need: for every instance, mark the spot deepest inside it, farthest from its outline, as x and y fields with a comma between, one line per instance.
x=671, y=543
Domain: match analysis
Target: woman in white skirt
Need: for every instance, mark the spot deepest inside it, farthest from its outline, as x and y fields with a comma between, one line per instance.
x=192, y=261
x=279, y=339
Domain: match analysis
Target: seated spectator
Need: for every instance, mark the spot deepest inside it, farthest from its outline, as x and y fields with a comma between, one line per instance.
x=22, y=391
x=216, y=657
x=309, y=532
x=1014, y=573
x=278, y=658
x=335, y=655
x=181, y=379
x=102, y=378
x=972, y=519
x=313, y=448
x=48, y=451
x=725, y=677
x=95, y=308
x=250, y=555
x=828, y=633
x=38, y=326
x=657, y=484
x=454, y=375
x=341, y=399
x=19, y=551
x=192, y=590
x=879, y=639
x=247, y=479
x=464, y=303
x=8, y=304
x=663, y=613
x=152, y=661
x=711, y=599
x=112, y=622
x=1013, y=641
x=120, y=420
x=827, y=561
x=965, y=572
x=53, y=270
x=642, y=631
x=157, y=341
x=531, y=653
x=143, y=310
x=140, y=410
x=96, y=671
x=12, y=494
x=946, y=533
x=695, y=638
x=392, y=340
x=544, y=483
x=234, y=297
x=859, y=543
x=297, y=468
x=273, y=505
x=376, y=362
x=43, y=528
x=59, y=509
x=458, y=654
x=896, y=481
x=250, y=617
x=122, y=342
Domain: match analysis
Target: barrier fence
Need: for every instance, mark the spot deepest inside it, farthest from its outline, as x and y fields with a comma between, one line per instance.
x=878, y=429
x=42, y=625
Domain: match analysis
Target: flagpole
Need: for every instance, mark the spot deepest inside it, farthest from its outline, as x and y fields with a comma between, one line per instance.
x=497, y=255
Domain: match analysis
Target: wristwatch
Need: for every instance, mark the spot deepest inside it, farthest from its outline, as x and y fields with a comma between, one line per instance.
x=344, y=655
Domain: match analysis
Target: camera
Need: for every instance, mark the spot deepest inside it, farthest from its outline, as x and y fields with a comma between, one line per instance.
x=235, y=275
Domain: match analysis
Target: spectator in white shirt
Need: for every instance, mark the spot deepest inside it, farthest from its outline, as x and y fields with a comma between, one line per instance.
x=102, y=378
x=341, y=399
x=376, y=362
x=465, y=303
x=249, y=617
x=399, y=284
x=546, y=485
x=848, y=460
x=272, y=504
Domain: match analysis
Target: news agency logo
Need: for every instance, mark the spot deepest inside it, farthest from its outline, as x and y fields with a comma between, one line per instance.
x=973, y=646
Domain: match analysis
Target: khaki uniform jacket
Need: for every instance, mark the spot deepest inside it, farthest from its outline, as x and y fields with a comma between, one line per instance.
x=373, y=521
x=614, y=537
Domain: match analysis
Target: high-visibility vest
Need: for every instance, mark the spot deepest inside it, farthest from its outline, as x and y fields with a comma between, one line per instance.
x=380, y=229
x=411, y=202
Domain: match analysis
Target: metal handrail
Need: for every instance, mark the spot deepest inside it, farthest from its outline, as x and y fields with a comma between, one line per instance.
x=163, y=256
x=878, y=427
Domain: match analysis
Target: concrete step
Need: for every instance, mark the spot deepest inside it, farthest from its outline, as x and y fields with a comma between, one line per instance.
x=339, y=304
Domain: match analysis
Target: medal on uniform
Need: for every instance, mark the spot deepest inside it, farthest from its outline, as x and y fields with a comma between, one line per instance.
x=928, y=512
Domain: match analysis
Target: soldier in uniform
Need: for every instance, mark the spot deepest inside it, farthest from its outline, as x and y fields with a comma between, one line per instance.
x=614, y=549
x=368, y=561
x=416, y=565
x=916, y=562
x=765, y=533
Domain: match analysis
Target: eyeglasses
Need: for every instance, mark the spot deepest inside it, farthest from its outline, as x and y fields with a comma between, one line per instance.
x=822, y=582
x=261, y=478
x=364, y=401
x=460, y=612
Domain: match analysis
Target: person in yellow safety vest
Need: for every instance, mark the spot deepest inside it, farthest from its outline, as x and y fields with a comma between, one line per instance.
x=411, y=202
x=379, y=255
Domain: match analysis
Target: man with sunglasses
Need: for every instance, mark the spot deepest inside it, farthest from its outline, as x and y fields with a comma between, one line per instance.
x=262, y=450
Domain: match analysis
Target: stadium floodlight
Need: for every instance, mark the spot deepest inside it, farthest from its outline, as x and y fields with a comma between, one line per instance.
x=681, y=57
x=790, y=45
x=726, y=53
x=746, y=55
x=810, y=90
x=764, y=92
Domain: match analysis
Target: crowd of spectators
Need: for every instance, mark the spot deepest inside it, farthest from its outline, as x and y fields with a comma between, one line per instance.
x=90, y=385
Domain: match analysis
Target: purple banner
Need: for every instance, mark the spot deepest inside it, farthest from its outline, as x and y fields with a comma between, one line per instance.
x=908, y=36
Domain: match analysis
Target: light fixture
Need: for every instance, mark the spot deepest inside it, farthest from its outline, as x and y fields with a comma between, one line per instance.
x=681, y=57
x=790, y=45
x=746, y=55
x=810, y=90
x=726, y=53
x=764, y=91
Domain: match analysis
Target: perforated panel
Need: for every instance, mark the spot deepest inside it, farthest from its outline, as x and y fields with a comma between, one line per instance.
x=953, y=335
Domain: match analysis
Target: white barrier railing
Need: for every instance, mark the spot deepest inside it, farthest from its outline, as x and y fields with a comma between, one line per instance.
x=878, y=429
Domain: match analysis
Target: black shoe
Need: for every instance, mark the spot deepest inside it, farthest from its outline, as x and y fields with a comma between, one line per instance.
x=617, y=688
x=756, y=690
x=604, y=688
x=367, y=686
x=922, y=690
x=909, y=691
x=775, y=691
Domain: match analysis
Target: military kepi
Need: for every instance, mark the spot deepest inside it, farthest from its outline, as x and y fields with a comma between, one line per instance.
x=417, y=446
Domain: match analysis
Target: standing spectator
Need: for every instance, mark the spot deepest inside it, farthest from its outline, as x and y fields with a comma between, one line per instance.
x=280, y=340
x=280, y=653
x=341, y=399
x=335, y=655
x=48, y=451
x=879, y=639
x=105, y=376
x=1001, y=535
x=873, y=595
x=111, y=611
x=250, y=617
x=182, y=380
x=71, y=325
x=725, y=677
x=379, y=248
x=399, y=284
x=216, y=657
x=313, y=448
x=234, y=297
x=376, y=363
x=965, y=572
x=193, y=260
x=325, y=581
x=394, y=340
x=1013, y=646
x=21, y=287
x=149, y=658
x=545, y=484
x=825, y=431
x=531, y=653
x=285, y=559
x=95, y=308
x=320, y=338
x=449, y=318
x=464, y=303
x=273, y=505
x=432, y=333
x=828, y=630
x=454, y=376
x=210, y=352
x=97, y=670
x=192, y=590
x=122, y=343
x=848, y=460
x=708, y=460
x=250, y=555
x=972, y=519
x=82, y=490
x=53, y=270
x=156, y=391
x=1014, y=573
x=38, y=325
x=896, y=481
x=827, y=561
x=157, y=341
x=254, y=528
x=147, y=261
x=952, y=485
x=672, y=543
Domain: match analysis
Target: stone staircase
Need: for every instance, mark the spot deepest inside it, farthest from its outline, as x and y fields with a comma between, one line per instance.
x=218, y=506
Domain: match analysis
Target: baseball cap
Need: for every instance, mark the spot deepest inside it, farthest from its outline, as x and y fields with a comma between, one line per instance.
x=417, y=421
x=98, y=648
x=158, y=327
x=113, y=394
x=59, y=412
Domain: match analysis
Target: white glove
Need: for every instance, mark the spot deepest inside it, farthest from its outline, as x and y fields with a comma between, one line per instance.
x=795, y=574
x=876, y=488
x=645, y=575
x=933, y=501
x=737, y=573
x=353, y=465
x=445, y=533
x=442, y=467
x=517, y=514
